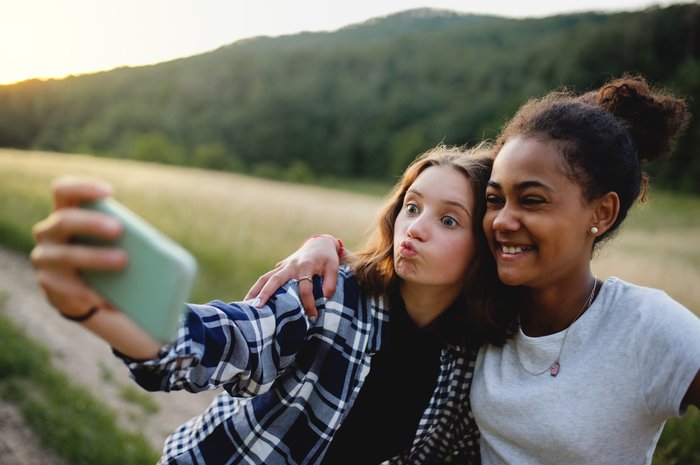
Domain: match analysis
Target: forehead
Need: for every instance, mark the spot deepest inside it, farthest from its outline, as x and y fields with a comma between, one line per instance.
x=529, y=159
x=445, y=182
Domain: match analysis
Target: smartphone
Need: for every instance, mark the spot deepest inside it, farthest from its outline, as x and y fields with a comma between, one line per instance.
x=157, y=281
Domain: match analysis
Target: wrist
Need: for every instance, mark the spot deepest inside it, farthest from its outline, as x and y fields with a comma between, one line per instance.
x=339, y=246
x=83, y=317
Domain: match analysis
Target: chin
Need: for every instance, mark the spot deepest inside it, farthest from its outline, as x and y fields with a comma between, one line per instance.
x=510, y=279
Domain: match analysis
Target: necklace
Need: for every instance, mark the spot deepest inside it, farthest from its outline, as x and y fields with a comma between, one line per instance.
x=554, y=367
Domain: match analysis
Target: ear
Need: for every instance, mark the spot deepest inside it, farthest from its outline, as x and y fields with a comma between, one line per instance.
x=607, y=207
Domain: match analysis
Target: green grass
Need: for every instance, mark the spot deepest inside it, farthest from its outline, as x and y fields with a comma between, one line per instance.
x=657, y=247
x=139, y=398
x=21, y=205
x=664, y=211
x=680, y=442
x=65, y=417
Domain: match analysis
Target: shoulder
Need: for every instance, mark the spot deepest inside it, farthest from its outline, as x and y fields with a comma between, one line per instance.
x=635, y=297
x=648, y=306
x=345, y=273
x=347, y=291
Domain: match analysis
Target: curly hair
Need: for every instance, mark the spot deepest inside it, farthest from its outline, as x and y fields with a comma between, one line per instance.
x=604, y=135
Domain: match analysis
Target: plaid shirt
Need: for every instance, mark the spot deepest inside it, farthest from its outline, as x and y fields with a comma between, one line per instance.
x=289, y=384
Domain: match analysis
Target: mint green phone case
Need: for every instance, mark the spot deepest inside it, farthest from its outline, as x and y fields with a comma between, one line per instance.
x=158, y=279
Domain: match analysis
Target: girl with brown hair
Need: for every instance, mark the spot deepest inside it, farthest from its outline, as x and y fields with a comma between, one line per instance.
x=383, y=374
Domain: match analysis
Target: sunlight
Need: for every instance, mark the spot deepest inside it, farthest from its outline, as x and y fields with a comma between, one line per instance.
x=49, y=39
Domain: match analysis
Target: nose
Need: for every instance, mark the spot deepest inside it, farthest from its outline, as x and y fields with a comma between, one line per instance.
x=417, y=229
x=505, y=219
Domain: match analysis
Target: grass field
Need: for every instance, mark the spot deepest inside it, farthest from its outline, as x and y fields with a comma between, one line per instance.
x=67, y=418
x=238, y=227
x=656, y=248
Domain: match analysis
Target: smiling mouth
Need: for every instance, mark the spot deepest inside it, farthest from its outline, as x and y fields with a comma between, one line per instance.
x=514, y=249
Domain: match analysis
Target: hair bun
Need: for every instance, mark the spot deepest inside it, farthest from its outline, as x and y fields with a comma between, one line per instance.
x=654, y=120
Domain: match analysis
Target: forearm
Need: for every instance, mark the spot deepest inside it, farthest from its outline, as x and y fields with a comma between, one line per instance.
x=122, y=334
x=235, y=345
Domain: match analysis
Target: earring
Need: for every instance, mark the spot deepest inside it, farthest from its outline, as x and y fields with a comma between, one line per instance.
x=594, y=230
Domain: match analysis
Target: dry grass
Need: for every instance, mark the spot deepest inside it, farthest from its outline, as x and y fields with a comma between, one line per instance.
x=665, y=260
x=239, y=226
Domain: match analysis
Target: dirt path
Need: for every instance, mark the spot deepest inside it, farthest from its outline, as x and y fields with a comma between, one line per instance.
x=87, y=360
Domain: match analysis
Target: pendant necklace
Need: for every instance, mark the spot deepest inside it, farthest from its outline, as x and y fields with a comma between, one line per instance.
x=554, y=367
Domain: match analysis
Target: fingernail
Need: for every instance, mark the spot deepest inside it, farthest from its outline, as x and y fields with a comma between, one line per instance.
x=312, y=319
x=256, y=302
x=110, y=226
x=117, y=257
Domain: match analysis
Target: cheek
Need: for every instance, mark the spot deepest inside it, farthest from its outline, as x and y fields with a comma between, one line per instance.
x=487, y=224
x=398, y=229
x=461, y=254
x=488, y=219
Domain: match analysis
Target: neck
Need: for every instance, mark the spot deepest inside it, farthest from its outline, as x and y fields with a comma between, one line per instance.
x=554, y=308
x=424, y=303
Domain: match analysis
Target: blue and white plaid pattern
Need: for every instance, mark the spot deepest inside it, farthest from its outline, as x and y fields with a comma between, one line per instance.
x=289, y=385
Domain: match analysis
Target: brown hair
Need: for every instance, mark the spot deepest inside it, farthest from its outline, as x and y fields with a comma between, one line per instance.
x=604, y=135
x=487, y=316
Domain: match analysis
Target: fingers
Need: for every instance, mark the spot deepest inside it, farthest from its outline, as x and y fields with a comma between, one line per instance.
x=67, y=292
x=268, y=283
x=259, y=285
x=306, y=293
x=330, y=279
x=74, y=257
x=63, y=224
x=67, y=221
x=57, y=261
x=317, y=256
x=275, y=281
x=57, y=274
x=71, y=191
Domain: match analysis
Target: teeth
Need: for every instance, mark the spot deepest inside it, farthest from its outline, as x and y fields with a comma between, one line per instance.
x=507, y=249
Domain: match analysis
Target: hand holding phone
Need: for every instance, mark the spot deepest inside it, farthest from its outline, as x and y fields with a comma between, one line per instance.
x=157, y=281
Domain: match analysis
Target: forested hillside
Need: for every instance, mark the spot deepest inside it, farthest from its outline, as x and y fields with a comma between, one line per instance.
x=361, y=101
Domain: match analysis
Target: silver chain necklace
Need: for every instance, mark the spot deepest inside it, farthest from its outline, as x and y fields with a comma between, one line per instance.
x=554, y=367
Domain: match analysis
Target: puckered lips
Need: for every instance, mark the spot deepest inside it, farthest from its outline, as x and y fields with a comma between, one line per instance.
x=407, y=249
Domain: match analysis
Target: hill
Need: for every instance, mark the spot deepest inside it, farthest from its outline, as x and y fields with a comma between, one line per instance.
x=358, y=102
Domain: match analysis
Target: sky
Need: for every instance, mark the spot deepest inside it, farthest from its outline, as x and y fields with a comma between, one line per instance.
x=56, y=38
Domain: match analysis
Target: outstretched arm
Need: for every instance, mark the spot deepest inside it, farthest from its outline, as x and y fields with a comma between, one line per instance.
x=319, y=255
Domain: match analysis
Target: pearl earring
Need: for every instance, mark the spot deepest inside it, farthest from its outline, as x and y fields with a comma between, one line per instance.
x=594, y=230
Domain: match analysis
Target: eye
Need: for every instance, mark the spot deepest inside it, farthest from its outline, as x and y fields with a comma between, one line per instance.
x=493, y=201
x=412, y=209
x=449, y=222
x=533, y=201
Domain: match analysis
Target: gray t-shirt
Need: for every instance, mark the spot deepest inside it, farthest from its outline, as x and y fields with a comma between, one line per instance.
x=625, y=368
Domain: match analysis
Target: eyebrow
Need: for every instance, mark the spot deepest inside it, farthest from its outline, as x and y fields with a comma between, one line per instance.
x=454, y=203
x=522, y=185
